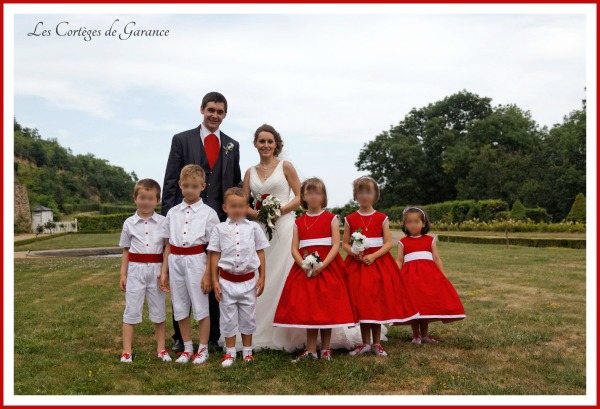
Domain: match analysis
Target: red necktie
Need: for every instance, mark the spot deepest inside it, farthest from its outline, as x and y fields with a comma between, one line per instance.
x=211, y=146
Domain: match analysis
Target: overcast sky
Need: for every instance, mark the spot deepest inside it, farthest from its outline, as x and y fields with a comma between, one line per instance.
x=328, y=83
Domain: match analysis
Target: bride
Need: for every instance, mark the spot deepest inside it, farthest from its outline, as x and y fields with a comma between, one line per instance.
x=278, y=177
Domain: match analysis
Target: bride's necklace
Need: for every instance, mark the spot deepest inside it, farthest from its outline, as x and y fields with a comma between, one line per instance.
x=316, y=220
x=265, y=169
x=363, y=221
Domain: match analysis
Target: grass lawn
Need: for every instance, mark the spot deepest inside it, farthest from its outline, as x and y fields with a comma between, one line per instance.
x=524, y=334
x=74, y=241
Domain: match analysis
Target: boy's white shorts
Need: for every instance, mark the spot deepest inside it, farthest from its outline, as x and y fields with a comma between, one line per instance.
x=185, y=275
x=238, y=307
x=143, y=279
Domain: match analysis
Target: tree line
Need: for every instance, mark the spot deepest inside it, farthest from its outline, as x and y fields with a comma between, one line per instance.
x=57, y=178
x=464, y=148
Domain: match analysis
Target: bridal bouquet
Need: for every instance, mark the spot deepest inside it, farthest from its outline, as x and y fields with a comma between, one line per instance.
x=357, y=241
x=311, y=261
x=268, y=207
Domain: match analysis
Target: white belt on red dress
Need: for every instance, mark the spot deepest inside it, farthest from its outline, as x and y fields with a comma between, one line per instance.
x=373, y=242
x=325, y=241
x=418, y=255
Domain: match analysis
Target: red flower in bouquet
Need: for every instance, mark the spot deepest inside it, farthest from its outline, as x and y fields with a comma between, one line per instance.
x=268, y=207
x=259, y=202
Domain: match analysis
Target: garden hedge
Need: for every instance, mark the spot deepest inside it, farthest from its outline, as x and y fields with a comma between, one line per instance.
x=515, y=241
x=101, y=223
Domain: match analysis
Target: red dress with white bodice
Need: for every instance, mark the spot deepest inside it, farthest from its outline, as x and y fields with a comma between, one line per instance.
x=435, y=297
x=315, y=302
x=378, y=293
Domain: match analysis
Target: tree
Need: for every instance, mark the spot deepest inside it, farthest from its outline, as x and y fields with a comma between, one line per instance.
x=410, y=162
x=577, y=213
x=55, y=177
x=50, y=225
x=462, y=148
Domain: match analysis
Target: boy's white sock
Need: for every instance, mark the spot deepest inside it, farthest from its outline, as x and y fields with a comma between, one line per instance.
x=231, y=351
x=188, y=347
x=202, y=346
x=247, y=351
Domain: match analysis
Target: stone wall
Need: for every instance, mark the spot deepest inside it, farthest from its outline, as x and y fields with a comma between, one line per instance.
x=22, y=210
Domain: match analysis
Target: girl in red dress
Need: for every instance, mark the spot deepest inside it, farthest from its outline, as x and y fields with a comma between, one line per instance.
x=316, y=299
x=422, y=271
x=378, y=294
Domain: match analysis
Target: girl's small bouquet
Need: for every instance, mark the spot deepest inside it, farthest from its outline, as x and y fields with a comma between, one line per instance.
x=268, y=207
x=311, y=261
x=357, y=241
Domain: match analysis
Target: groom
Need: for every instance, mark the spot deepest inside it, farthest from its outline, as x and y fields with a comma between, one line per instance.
x=219, y=155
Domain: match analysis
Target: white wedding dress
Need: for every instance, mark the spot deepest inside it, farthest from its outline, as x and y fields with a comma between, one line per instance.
x=279, y=261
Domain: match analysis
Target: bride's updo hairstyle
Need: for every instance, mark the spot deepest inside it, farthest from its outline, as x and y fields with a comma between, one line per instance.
x=272, y=131
x=312, y=184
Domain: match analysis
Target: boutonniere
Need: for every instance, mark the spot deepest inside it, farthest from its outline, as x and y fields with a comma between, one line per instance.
x=228, y=148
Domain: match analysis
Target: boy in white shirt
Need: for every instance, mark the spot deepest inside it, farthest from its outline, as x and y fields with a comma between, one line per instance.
x=236, y=251
x=141, y=267
x=187, y=273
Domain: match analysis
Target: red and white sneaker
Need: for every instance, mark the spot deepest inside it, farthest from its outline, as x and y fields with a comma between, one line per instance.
x=164, y=356
x=378, y=350
x=361, y=349
x=327, y=355
x=306, y=355
x=200, y=357
x=126, y=358
x=184, y=358
x=227, y=360
x=248, y=358
x=429, y=340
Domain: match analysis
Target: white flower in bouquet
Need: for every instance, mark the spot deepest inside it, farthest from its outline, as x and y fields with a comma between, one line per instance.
x=268, y=207
x=310, y=262
x=357, y=241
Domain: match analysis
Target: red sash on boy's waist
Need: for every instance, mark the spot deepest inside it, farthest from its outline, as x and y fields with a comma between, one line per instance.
x=236, y=278
x=145, y=258
x=187, y=251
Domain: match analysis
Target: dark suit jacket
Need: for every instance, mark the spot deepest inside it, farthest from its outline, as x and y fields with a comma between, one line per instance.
x=187, y=148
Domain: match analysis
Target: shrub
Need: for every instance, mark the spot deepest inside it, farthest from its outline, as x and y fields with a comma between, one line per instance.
x=538, y=214
x=101, y=223
x=577, y=212
x=503, y=215
x=518, y=211
x=394, y=213
x=488, y=209
x=516, y=241
x=117, y=209
x=510, y=225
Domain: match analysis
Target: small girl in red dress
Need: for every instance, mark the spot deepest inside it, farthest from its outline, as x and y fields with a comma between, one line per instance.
x=422, y=271
x=378, y=294
x=315, y=298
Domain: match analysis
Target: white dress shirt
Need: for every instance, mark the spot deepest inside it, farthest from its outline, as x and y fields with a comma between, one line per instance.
x=238, y=242
x=189, y=225
x=204, y=132
x=142, y=235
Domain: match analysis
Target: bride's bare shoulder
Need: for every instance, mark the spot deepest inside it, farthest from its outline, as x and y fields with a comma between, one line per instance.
x=288, y=168
x=247, y=174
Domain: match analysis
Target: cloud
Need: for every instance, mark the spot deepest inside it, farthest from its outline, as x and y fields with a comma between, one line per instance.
x=146, y=125
x=324, y=80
